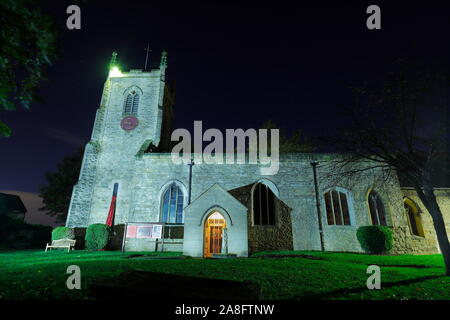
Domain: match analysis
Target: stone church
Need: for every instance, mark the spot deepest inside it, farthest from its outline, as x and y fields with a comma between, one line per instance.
x=210, y=209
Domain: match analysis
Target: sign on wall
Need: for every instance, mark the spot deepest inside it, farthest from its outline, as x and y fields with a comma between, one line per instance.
x=144, y=231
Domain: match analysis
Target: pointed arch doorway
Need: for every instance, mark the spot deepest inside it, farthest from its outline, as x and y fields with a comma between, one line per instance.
x=213, y=234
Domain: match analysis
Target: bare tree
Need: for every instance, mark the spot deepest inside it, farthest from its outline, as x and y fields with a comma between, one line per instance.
x=400, y=126
x=296, y=142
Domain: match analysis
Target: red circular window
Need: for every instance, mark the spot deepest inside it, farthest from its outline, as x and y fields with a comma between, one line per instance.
x=129, y=123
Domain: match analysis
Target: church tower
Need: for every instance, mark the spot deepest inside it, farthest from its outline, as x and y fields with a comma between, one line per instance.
x=128, y=120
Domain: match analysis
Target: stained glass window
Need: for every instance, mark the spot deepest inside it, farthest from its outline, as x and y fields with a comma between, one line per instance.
x=172, y=206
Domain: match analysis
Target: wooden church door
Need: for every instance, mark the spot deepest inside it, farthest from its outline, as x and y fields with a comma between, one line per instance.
x=213, y=234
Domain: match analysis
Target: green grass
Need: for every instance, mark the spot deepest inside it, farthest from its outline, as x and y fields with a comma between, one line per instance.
x=39, y=275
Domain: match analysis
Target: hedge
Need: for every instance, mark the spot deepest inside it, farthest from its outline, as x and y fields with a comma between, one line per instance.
x=63, y=233
x=19, y=235
x=97, y=236
x=375, y=239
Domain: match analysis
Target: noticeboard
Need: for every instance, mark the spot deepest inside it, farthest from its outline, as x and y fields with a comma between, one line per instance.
x=144, y=231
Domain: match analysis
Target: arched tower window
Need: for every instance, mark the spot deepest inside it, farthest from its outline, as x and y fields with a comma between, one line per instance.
x=263, y=205
x=337, y=206
x=376, y=209
x=413, y=216
x=172, y=205
x=131, y=103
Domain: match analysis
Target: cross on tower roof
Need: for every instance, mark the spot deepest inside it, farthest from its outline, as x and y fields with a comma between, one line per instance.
x=113, y=59
x=147, y=51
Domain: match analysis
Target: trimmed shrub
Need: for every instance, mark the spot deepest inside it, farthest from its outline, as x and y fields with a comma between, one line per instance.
x=62, y=233
x=97, y=236
x=375, y=239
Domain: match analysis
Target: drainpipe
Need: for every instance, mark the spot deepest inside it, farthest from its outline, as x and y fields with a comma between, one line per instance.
x=319, y=215
x=190, y=180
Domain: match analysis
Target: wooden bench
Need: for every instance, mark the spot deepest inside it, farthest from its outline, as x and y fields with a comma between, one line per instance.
x=61, y=243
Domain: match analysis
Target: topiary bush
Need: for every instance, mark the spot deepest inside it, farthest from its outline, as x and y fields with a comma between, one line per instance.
x=375, y=239
x=63, y=233
x=97, y=236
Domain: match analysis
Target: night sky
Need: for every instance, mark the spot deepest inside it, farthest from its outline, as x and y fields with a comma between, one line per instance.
x=234, y=65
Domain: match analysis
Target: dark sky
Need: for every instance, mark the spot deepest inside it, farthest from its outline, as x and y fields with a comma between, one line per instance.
x=235, y=66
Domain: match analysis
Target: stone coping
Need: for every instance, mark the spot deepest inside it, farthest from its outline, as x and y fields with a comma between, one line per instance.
x=282, y=157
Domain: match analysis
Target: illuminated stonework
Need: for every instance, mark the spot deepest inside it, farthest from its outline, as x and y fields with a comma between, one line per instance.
x=286, y=205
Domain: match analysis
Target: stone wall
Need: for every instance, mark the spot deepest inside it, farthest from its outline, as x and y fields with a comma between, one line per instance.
x=80, y=204
x=146, y=177
x=405, y=241
x=173, y=241
x=115, y=156
x=266, y=238
x=156, y=171
x=153, y=246
x=110, y=155
x=215, y=199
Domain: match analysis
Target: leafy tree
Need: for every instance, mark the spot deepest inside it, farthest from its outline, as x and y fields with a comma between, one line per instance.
x=28, y=39
x=57, y=193
x=400, y=126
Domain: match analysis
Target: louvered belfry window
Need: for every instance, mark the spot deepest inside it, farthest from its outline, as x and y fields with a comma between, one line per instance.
x=131, y=103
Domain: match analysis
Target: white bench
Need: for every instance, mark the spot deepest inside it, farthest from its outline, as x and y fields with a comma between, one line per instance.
x=61, y=243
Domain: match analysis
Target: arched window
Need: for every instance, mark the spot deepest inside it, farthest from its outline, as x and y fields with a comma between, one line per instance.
x=413, y=216
x=337, y=206
x=263, y=205
x=131, y=103
x=376, y=209
x=172, y=205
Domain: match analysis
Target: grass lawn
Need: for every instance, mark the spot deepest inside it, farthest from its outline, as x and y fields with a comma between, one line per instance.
x=311, y=275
